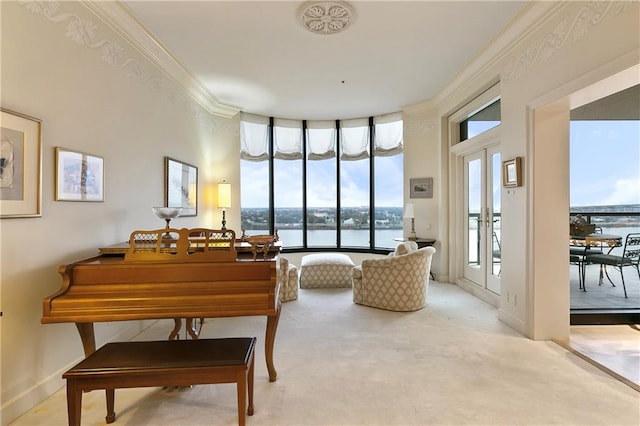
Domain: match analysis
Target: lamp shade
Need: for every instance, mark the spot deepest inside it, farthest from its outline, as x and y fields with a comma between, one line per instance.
x=224, y=195
x=408, y=211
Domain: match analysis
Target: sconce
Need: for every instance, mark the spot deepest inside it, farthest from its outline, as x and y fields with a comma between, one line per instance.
x=224, y=200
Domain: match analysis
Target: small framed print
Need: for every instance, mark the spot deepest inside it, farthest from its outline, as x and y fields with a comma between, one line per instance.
x=79, y=176
x=512, y=172
x=181, y=186
x=421, y=187
x=20, y=165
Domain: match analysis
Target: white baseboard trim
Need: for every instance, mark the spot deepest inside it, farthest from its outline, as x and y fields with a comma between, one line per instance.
x=513, y=322
x=482, y=294
x=21, y=404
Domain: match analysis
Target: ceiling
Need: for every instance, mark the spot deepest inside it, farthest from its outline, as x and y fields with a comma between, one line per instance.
x=259, y=57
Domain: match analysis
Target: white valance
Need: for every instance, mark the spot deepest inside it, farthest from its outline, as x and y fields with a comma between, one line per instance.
x=254, y=137
x=354, y=139
x=321, y=139
x=287, y=139
x=388, y=136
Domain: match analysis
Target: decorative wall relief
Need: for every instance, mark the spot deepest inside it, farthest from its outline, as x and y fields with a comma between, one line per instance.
x=420, y=126
x=542, y=49
x=85, y=32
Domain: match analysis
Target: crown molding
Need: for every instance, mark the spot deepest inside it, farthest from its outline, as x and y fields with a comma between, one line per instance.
x=512, y=35
x=120, y=19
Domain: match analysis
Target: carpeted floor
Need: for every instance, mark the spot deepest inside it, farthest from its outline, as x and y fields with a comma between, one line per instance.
x=451, y=363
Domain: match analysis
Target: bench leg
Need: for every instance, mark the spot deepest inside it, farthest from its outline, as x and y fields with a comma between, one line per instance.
x=111, y=414
x=250, y=386
x=74, y=403
x=241, y=387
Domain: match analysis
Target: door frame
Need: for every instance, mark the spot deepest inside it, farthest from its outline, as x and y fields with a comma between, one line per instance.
x=484, y=141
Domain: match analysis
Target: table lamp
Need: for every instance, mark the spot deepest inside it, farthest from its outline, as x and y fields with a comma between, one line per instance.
x=224, y=200
x=408, y=214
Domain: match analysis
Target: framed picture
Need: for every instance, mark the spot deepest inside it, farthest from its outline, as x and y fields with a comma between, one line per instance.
x=512, y=172
x=421, y=188
x=20, y=165
x=181, y=186
x=79, y=176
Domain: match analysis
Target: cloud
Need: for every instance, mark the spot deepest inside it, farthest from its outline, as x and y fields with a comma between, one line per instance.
x=626, y=191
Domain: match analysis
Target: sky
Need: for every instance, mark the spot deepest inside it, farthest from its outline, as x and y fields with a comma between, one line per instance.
x=604, y=162
x=322, y=183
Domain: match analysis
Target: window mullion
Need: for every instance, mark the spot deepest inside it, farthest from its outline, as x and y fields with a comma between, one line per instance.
x=272, y=210
x=304, y=184
x=338, y=208
x=371, y=185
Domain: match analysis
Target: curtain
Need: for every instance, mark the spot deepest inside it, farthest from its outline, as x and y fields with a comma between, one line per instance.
x=388, y=135
x=321, y=139
x=254, y=137
x=287, y=139
x=354, y=139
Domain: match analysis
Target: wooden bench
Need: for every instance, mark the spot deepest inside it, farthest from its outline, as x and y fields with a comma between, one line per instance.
x=163, y=363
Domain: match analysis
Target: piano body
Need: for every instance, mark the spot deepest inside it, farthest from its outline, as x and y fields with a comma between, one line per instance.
x=169, y=273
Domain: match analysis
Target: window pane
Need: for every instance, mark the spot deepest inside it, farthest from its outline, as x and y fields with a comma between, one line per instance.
x=388, y=183
x=483, y=120
x=321, y=203
x=354, y=203
x=287, y=186
x=254, y=197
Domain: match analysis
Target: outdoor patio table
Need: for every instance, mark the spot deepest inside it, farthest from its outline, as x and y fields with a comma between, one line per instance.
x=599, y=240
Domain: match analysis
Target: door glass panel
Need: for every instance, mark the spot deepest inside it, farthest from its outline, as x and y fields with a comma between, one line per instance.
x=474, y=204
x=496, y=242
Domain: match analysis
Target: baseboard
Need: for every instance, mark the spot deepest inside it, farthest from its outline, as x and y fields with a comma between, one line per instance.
x=16, y=407
x=482, y=294
x=513, y=322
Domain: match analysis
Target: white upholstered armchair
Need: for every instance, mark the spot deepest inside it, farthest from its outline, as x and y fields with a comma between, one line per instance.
x=288, y=277
x=398, y=282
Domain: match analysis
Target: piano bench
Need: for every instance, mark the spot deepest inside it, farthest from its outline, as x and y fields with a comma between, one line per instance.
x=163, y=363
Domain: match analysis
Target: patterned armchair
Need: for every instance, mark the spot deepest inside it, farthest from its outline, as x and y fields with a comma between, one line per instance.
x=288, y=277
x=398, y=282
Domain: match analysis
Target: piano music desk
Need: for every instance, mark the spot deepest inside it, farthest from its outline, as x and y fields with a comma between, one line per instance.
x=163, y=363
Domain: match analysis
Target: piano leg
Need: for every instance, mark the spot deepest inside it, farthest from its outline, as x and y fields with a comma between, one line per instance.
x=272, y=327
x=87, y=336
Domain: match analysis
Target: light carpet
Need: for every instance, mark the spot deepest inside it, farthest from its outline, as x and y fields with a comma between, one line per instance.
x=451, y=363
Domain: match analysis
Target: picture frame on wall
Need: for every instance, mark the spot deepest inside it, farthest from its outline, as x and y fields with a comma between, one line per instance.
x=79, y=176
x=421, y=187
x=20, y=165
x=181, y=186
x=512, y=172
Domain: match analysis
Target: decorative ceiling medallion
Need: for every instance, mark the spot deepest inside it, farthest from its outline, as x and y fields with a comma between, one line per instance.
x=326, y=17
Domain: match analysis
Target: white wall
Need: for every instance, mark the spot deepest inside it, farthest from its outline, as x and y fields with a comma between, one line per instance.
x=132, y=121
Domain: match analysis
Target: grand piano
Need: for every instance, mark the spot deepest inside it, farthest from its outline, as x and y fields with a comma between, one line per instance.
x=171, y=273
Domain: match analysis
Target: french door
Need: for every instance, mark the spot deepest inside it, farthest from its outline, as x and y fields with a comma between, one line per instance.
x=482, y=236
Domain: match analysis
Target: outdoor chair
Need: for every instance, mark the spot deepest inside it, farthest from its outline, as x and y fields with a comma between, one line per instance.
x=630, y=257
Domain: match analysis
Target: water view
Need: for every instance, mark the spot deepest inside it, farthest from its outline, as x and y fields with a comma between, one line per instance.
x=322, y=226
